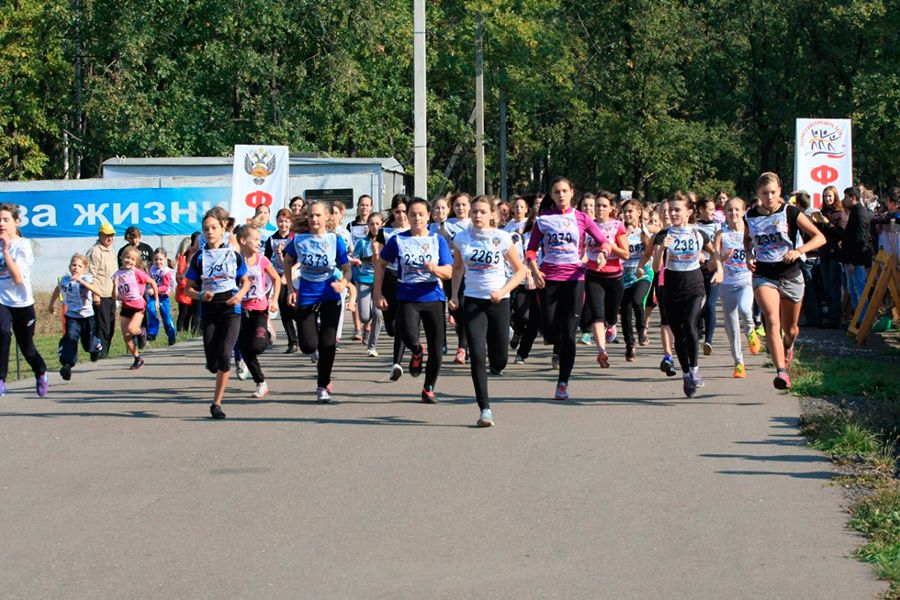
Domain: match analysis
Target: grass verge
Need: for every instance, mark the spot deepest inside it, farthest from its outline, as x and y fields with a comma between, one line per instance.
x=860, y=430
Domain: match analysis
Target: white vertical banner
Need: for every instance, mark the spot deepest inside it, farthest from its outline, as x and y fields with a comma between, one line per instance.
x=260, y=176
x=823, y=156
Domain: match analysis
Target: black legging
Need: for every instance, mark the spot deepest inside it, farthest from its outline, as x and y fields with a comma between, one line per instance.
x=562, y=310
x=487, y=325
x=527, y=317
x=105, y=322
x=322, y=337
x=253, y=340
x=19, y=322
x=287, y=313
x=389, y=293
x=633, y=308
x=187, y=317
x=683, y=313
x=221, y=326
x=604, y=297
x=430, y=315
x=459, y=315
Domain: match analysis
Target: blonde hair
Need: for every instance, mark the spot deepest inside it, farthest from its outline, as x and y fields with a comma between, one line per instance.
x=80, y=258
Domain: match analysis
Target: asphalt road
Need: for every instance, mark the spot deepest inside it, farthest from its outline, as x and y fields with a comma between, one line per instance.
x=118, y=485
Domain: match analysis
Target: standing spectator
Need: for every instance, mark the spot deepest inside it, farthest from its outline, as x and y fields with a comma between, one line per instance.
x=831, y=221
x=857, y=244
x=101, y=266
x=133, y=237
x=809, y=264
x=888, y=223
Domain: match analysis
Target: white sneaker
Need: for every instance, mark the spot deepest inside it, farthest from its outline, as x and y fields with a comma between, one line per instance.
x=322, y=396
x=396, y=372
x=486, y=419
x=241, y=370
x=372, y=352
x=262, y=390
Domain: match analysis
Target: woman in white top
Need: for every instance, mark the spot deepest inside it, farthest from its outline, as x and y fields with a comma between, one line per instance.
x=481, y=253
x=16, y=300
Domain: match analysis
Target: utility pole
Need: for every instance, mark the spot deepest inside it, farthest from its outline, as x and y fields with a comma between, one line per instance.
x=479, y=105
x=503, y=167
x=420, y=139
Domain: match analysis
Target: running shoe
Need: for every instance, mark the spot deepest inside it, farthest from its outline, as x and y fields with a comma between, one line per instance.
x=562, y=392
x=216, y=412
x=667, y=366
x=514, y=341
x=554, y=362
x=739, y=371
x=782, y=381
x=586, y=339
x=603, y=359
x=630, y=354
x=698, y=381
x=444, y=350
x=357, y=336
x=760, y=331
x=95, y=356
x=789, y=355
x=323, y=396
x=262, y=390
x=372, y=352
x=2, y=387
x=137, y=364
x=496, y=372
x=292, y=349
x=460, y=357
x=415, y=362
x=396, y=372
x=314, y=357
x=754, y=343
x=142, y=338
x=486, y=419
x=172, y=341
x=643, y=338
x=519, y=360
x=337, y=346
x=151, y=338
x=65, y=372
x=42, y=385
x=242, y=371
x=707, y=348
x=689, y=387
x=428, y=396
x=610, y=334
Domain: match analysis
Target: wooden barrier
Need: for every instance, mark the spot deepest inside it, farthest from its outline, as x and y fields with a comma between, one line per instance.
x=883, y=277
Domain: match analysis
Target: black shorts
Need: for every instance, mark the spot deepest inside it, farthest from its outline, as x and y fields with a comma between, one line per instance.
x=128, y=312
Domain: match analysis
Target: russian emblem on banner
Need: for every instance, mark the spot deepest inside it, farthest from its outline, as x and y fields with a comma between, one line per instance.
x=260, y=176
x=823, y=156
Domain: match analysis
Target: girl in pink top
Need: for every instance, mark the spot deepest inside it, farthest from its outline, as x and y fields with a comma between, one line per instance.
x=256, y=305
x=604, y=285
x=559, y=232
x=164, y=276
x=129, y=284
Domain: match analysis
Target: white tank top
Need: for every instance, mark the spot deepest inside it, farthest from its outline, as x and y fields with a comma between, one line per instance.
x=484, y=256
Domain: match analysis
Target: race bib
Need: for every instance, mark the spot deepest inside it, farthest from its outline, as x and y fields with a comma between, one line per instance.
x=316, y=255
x=734, y=256
x=561, y=237
x=219, y=270
x=413, y=253
x=257, y=282
x=127, y=286
x=278, y=247
x=684, y=253
x=770, y=236
x=635, y=249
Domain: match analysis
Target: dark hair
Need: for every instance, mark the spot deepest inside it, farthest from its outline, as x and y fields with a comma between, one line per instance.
x=682, y=197
x=892, y=195
x=300, y=198
x=216, y=212
x=418, y=200
x=132, y=231
x=854, y=191
x=396, y=201
x=560, y=179
x=801, y=199
x=12, y=209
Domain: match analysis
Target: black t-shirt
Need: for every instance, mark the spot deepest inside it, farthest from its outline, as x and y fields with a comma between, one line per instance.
x=680, y=285
x=146, y=254
x=772, y=235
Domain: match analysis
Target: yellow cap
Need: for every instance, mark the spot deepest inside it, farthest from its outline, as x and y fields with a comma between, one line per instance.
x=107, y=229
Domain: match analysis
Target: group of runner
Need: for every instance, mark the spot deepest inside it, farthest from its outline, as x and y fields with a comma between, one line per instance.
x=505, y=272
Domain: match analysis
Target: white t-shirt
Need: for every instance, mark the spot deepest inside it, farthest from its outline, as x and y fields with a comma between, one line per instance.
x=79, y=300
x=484, y=256
x=11, y=294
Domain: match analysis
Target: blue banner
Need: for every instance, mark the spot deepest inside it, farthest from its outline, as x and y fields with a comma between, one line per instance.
x=79, y=213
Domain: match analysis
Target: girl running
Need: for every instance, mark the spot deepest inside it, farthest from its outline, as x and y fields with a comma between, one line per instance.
x=17, y=315
x=358, y=229
x=275, y=246
x=461, y=203
x=481, y=253
x=396, y=223
x=364, y=275
x=78, y=290
x=636, y=278
x=217, y=276
x=523, y=300
x=683, y=242
x=423, y=259
x=256, y=305
x=603, y=283
x=706, y=212
x=559, y=232
x=587, y=205
x=737, y=289
x=164, y=276
x=769, y=237
x=318, y=294
x=667, y=364
x=129, y=285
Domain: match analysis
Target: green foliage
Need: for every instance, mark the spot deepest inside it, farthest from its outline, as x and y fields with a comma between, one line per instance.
x=878, y=518
x=842, y=438
x=656, y=95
